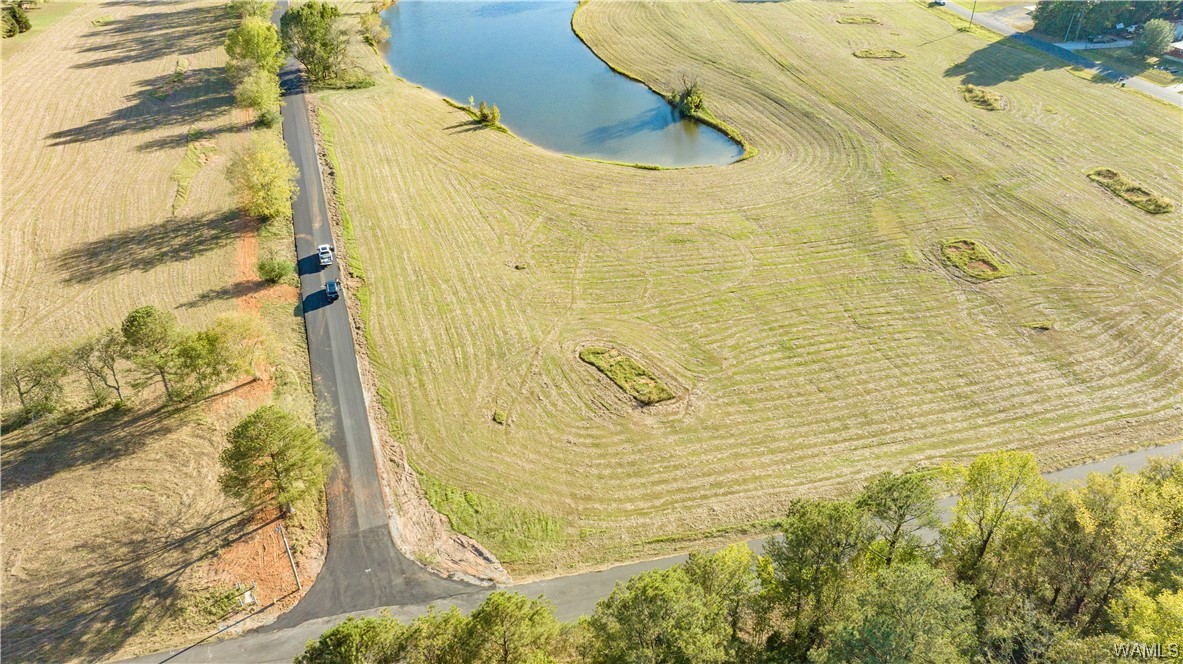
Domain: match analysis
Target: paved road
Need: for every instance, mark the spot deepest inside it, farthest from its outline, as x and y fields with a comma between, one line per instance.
x=363, y=569
x=992, y=23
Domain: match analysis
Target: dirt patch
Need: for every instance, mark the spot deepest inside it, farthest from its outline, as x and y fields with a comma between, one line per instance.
x=421, y=533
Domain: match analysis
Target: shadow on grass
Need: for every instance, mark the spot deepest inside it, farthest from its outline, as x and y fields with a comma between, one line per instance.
x=1012, y=58
x=169, y=32
x=161, y=101
x=228, y=292
x=100, y=437
x=143, y=249
x=89, y=612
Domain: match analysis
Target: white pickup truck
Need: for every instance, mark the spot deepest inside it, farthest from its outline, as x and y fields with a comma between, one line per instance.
x=325, y=253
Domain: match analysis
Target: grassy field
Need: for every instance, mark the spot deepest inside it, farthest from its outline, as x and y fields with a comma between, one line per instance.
x=1122, y=60
x=118, y=123
x=796, y=302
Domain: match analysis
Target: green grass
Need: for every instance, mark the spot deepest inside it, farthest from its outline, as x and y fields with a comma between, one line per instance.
x=102, y=20
x=42, y=18
x=879, y=54
x=991, y=5
x=197, y=153
x=1131, y=64
x=500, y=417
x=511, y=533
x=858, y=20
x=983, y=98
x=348, y=230
x=1130, y=191
x=634, y=379
x=973, y=259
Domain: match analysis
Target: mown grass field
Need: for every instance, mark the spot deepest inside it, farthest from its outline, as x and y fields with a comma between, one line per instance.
x=113, y=522
x=796, y=302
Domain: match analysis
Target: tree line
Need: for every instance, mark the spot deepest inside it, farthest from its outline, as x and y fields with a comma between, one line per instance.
x=1080, y=19
x=1023, y=571
x=118, y=363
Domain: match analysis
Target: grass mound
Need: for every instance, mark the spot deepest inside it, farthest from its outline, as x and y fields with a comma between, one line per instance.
x=1133, y=193
x=858, y=20
x=879, y=54
x=197, y=153
x=972, y=258
x=983, y=98
x=629, y=376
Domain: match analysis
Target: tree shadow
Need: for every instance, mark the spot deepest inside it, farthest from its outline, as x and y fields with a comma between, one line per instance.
x=101, y=437
x=166, y=33
x=143, y=249
x=137, y=585
x=228, y=292
x=1011, y=58
x=161, y=101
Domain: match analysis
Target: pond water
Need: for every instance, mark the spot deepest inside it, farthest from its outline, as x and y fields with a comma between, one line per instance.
x=551, y=89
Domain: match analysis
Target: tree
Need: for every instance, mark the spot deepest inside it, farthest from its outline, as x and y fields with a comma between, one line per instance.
x=657, y=617
x=264, y=176
x=242, y=9
x=996, y=491
x=258, y=91
x=357, y=641
x=1155, y=38
x=373, y=30
x=508, y=628
x=313, y=30
x=210, y=357
x=274, y=458
x=899, y=506
x=1145, y=619
x=439, y=637
x=728, y=578
x=812, y=563
x=98, y=358
x=35, y=377
x=150, y=335
x=254, y=45
x=905, y=613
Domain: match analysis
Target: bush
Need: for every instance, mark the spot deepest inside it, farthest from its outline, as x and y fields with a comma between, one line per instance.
x=16, y=20
x=275, y=270
x=270, y=118
x=1155, y=38
x=689, y=97
x=241, y=9
x=258, y=91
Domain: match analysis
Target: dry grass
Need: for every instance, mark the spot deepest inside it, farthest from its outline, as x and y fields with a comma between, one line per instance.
x=804, y=309
x=113, y=521
x=1130, y=191
x=983, y=98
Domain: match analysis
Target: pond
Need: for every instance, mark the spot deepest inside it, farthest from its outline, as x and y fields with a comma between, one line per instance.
x=551, y=89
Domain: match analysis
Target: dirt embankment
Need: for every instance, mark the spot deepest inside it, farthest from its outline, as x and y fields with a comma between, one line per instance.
x=421, y=533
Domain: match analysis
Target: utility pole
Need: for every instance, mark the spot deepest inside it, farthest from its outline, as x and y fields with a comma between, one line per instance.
x=291, y=560
x=973, y=11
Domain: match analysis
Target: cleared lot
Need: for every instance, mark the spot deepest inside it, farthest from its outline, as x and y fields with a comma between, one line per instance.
x=797, y=303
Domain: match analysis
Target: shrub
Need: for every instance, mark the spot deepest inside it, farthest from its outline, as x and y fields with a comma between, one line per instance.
x=373, y=30
x=1155, y=38
x=270, y=117
x=16, y=17
x=689, y=97
x=275, y=270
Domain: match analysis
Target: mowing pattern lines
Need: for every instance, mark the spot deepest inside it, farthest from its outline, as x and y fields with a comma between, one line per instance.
x=796, y=302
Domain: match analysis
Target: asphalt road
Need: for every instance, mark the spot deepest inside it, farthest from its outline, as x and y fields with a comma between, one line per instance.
x=363, y=569
x=991, y=23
